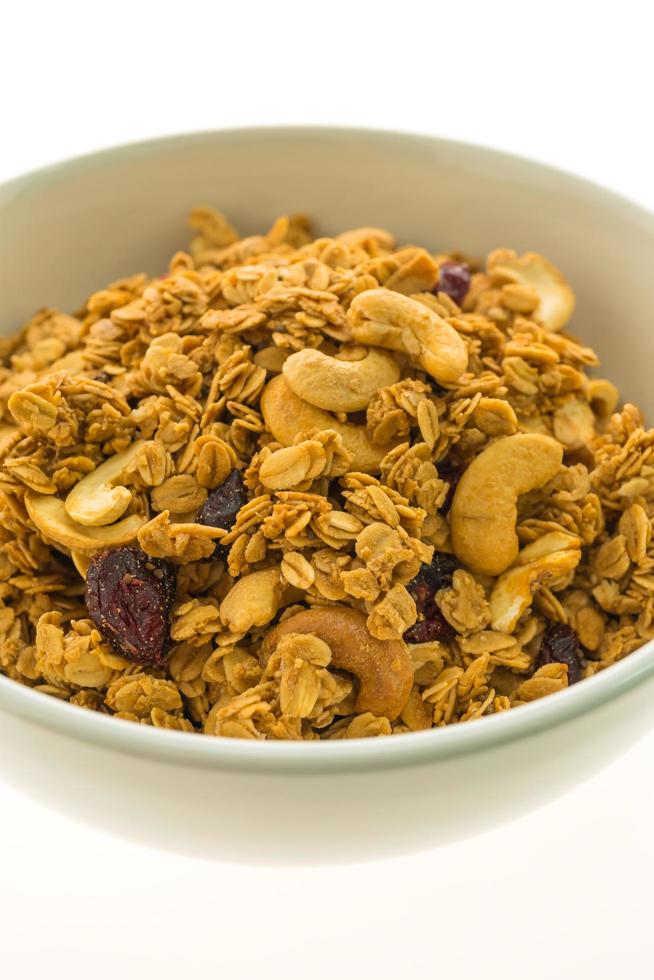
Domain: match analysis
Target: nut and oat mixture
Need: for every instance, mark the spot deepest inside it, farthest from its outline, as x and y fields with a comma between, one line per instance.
x=302, y=488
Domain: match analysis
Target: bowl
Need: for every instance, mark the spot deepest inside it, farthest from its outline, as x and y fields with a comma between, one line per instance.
x=70, y=228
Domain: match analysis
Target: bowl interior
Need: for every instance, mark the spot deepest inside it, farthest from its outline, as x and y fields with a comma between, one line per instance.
x=69, y=230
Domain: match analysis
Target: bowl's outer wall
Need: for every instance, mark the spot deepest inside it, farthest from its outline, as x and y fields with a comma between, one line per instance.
x=309, y=818
x=68, y=231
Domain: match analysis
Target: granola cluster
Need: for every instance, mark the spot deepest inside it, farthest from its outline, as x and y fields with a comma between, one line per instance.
x=378, y=487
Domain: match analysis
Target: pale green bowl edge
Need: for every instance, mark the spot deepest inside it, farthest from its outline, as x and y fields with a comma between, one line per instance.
x=416, y=748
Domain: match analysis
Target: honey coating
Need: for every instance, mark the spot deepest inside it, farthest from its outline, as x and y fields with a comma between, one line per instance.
x=318, y=488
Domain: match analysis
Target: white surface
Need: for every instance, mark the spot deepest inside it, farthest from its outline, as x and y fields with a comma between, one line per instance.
x=565, y=892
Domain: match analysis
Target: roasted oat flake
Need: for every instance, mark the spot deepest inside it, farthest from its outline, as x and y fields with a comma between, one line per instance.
x=303, y=488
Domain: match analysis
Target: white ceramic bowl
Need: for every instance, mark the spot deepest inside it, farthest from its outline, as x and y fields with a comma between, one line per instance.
x=69, y=229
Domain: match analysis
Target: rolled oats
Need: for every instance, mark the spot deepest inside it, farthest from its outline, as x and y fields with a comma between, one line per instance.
x=388, y=491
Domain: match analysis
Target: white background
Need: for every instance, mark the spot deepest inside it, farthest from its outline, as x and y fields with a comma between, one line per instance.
x=565, y=892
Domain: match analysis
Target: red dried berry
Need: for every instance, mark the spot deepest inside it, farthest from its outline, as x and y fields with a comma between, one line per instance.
x=451, y=472
x=129, y=597
x=454, y=279
x=423, y=588
x=429, y=630
x=561, y=646
x=221, y=507
x=437, y=575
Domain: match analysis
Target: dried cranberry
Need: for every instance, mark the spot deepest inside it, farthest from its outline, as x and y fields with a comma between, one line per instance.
x=428, y=630
x=561, y=646
x=451, y=472
x=423, y=588
x=437, y=575
x=454, y=279
x=129, y=596
x=221, y=507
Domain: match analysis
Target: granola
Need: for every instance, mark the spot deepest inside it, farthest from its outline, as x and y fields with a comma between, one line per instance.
x=315, y=488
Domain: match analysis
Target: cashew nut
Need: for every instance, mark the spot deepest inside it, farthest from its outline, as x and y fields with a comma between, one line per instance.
x=541, y=563
x=286, y=415
x=253, y=600
x=337, y=385
x=382, y=667
x=484, y=512
x=385, y=318
x=94, y=501
x=49, y=515
x=556, y=299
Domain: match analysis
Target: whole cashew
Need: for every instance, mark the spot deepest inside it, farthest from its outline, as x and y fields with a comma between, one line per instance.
x=382, y=667
x=339, y=386
x=556, y=299
x=286, y=415
x=254, y=600
x=49, y=515
x=385, y=318
x=541, y=563
x=94, y=501
x=484, y=512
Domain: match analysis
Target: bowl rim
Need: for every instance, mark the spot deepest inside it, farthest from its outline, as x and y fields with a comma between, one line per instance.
x=354, y=755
